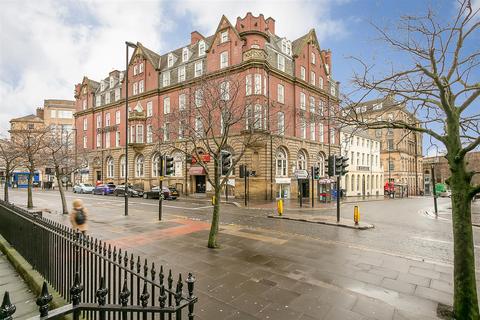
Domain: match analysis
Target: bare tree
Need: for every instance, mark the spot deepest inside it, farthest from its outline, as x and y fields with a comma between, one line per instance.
x=11, y=159
x=30, y=143
x=215, y=117
x=441, y=88
x=59, y=154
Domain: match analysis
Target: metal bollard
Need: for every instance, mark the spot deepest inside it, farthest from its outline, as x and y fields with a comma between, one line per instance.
x=280, y=207
x=356, y=215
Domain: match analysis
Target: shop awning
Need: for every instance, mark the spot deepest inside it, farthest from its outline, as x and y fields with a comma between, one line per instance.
x=196, y=171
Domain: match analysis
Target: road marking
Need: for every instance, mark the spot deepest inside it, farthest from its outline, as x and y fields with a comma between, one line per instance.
x=439, y=241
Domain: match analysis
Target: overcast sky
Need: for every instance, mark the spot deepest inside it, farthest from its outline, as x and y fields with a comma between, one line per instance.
x=47, y=46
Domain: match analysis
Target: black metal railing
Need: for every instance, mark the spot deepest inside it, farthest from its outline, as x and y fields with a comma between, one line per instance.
x=111, y=279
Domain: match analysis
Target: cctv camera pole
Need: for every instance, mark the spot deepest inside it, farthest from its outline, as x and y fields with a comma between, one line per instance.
x=160, y=187
x=338, y=198
x=313, y=188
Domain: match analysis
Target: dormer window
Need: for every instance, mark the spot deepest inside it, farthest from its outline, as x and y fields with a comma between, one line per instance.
x=201, y=48
x=84, y=89
x=135, y=70
x=112, y=81
x=314, y=57
x=102, y=85
x=170, y=60
x=185, y=55
x=224, y=37
x=121, y=77
x=140, y=68
x=287, y=47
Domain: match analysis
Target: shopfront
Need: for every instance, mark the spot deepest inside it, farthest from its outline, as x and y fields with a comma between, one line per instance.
x=282, y=187
x=199, y=179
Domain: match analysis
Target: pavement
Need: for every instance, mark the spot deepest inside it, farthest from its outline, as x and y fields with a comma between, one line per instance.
x=281, y=269
x=445, y=212
x=20, y=295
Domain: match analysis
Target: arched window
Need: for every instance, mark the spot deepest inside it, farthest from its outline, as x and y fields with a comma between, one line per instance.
x=353, y=182
x=178, y=159
x=122, y=166
x=346, y=182
x=358, y=182
x=282, y=168
x=156, y=165
x=139, y=166
x=321, y=163
x=110, y=167
x=301, y=160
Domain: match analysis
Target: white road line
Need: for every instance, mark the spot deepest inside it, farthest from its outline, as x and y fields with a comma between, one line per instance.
x=438, y=240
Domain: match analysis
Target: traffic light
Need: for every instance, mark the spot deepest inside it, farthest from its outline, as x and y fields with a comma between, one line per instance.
x=316, y=173
x=225, y=162
x=344, y=166
x=338, y=165
x=331, y=166
x=168, y=165
x=242, y=170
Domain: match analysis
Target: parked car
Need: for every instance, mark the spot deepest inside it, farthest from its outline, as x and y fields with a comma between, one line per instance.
x=173, y=192
x=445, y=194
x=132, y=191
x=153, y=194
x=83, y=188
x=104, y=189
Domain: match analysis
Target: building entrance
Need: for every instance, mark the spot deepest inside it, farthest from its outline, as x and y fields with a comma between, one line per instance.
x=200, y=184
x=304, y=186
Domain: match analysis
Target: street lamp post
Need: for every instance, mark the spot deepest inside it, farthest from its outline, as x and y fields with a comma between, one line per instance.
x=127, y=45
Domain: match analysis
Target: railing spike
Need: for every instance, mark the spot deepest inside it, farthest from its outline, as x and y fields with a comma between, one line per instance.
x=104, y=249
x=7, y=309
x=153, y=271
x=76, y=289
x=170, y=279
x=101, y=293
x=190, y=283
x=139, y=266
x=163, y=296
x=145, y=268
x=161, y=275
x=145, y=295
x=132, y=262
x=124, y=294
x=114, y=253
x=119, y=255
x=109, y=251
x=178, y=291
x=125, y=259
x=43, y=300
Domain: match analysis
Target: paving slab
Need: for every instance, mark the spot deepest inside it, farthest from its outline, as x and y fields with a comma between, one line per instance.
x=326, y=220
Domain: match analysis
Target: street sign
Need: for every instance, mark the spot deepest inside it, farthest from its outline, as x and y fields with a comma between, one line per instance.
x=301, y=174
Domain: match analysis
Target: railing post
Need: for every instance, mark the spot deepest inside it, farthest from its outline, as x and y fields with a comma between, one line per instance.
x=162, y=299
x=43, y=300
x=178, y=297
x=7, y=309
x=75, y=293
x=190, y=283
x=144, y=299
x=101, y=296
x=124, y=295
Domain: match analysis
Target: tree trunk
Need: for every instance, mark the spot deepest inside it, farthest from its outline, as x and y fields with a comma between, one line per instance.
x=212, y=237
x=62, y=193
x=29, y=190
x=5, y=192
x=465, y=291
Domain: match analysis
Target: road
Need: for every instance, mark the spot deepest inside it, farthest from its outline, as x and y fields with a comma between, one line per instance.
x=401, y=269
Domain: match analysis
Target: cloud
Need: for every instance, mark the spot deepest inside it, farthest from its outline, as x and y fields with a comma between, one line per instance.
x=48, y=46
x=292, y=18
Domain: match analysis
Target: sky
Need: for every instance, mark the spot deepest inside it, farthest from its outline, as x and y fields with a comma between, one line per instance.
x=47, y=46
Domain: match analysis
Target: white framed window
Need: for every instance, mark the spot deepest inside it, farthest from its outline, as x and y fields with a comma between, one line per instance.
x=170, y=60
x=53, y=113
x=224, y=36
x=312, y=130
x=201, y=48
x=258, y=84
x=117, y=94
x=107, y=139
x=312, y=78
x=332, y=136
x=185, y=54
x=107, y=119
x=98, y=101
x=280, y=93
x=313, y=57
x=320, y=132
x=149, y=108
x=107, y=97
x=198, y=126
x=258, y=117
x=181, y=129
x=117, y=117
x=321, y=107
x=166, y=105
x=302, y=101
x=102, y=85
x=312, y=104
x=302, y=73
x=182, y=101
x=85, y=124
x=110, y=167
x=135, y=88
x=166, y=131
x=99, y=121
x=156, y=165
x=281, y=123
x=282, y=163
x=139, y=166
x=286, y=47
x=166, y=78
x=84, y=142
x=333, y=89
x=301, y=160
x=135, y=70
x=140, y=68
x=139, y=133
x=181, y=74
x=248, y=84
x=141, y=86
x=149, y=133
x=111, y=81
x=117, y=139
x=198, y=98
x=198, y=68
x=320, y=82
x=248, y=117
x=84, y=104
x=99, y=140
x=281, y=62
x=123, y=166
x=224, y=59
x=225, y=91
x=303, y=128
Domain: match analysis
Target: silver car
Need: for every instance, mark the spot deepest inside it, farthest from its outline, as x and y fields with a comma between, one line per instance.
x=83, y=188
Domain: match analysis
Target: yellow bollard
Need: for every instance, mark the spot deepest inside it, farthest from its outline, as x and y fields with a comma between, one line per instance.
x=356, y=215
x=280, y=207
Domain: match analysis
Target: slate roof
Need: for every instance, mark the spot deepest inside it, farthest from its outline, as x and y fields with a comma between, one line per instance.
x=29, y=118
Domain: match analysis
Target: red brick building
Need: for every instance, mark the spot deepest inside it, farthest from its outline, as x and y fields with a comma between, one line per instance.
x=290, y=82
